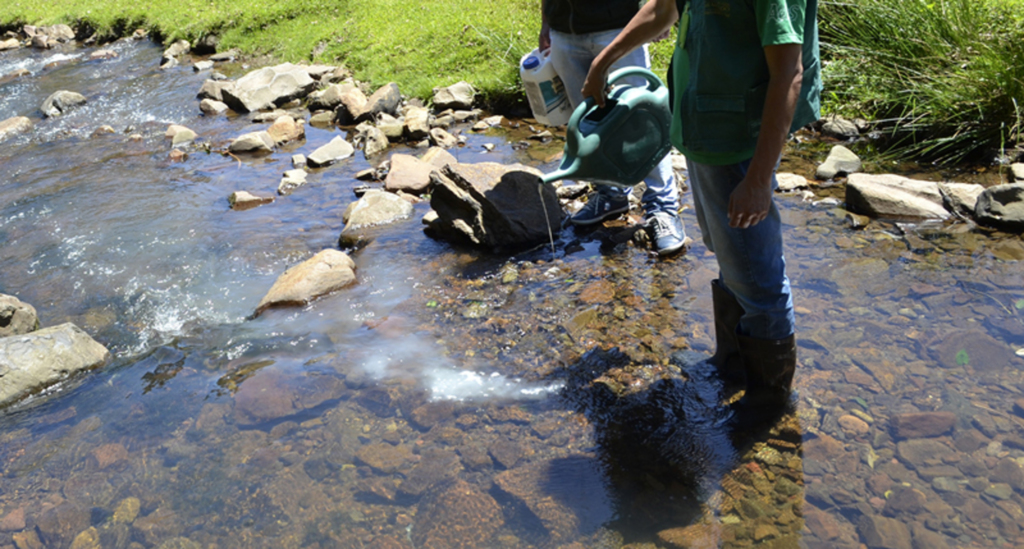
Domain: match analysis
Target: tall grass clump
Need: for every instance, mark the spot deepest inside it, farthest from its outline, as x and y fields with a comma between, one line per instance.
x=944, y=77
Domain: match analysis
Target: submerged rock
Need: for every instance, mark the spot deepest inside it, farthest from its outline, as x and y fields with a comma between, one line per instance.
x=271, y=395
x=42, y=358
x=16, y=317
x=325, y=272
x=61, y=102
x=1002, y=207
x=576, y=504
x=493, y=205
x=922, y=424
x=457, y=516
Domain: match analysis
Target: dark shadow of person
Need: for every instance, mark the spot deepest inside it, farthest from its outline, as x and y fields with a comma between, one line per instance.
x=676, y=469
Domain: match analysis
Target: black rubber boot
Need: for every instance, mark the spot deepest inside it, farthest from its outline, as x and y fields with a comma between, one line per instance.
x=728, y=312
x=769, y=366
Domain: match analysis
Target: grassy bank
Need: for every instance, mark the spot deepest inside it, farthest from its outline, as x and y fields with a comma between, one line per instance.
x=416, y=43
x=946, y=77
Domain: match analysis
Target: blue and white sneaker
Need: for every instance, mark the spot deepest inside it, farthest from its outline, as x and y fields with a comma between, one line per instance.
x=600, y=208
x=667, y=233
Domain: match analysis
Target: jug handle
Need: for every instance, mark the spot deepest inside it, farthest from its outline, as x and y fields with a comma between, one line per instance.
x=653, y=82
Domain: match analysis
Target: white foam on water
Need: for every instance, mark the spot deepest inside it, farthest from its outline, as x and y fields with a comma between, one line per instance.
x=415, y=357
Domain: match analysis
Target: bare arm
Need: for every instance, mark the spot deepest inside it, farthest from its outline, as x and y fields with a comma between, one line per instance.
x=653, y=19
x=544, y=40
x=752, y=198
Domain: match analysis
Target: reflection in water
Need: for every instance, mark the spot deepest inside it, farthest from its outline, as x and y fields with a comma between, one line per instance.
x=454, y=399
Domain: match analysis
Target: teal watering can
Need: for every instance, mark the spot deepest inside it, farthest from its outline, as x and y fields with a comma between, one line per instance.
x=620, y=143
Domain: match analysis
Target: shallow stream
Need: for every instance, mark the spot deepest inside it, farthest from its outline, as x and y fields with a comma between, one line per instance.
x=458, y=399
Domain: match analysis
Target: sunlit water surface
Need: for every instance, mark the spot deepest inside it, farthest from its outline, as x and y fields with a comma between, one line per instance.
x=457, y=399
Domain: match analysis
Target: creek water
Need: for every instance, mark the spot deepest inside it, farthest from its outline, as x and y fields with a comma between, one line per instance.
x=453, y=398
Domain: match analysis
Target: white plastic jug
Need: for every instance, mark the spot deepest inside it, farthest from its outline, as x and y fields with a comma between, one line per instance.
x=544, y=89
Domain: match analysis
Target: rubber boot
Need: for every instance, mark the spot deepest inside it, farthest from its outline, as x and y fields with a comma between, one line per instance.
x=769, y=366
x=728, y=312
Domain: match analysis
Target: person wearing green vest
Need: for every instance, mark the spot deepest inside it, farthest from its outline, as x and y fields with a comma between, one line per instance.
x=745, y=74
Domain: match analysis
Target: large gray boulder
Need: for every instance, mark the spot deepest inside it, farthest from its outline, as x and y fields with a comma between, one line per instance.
x=16, y=316
x=493, y=206
x=13, y=126
x=1002, y=207
x=34, y=361
x=325, y=272
x=61, y=102
x=267, y=87
x=894, y=196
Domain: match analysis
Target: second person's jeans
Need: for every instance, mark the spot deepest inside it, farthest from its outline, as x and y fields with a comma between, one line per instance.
x=572, y=55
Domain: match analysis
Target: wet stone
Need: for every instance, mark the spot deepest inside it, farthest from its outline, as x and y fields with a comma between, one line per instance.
x=457, y=516
x=919, y=452
x=434, y=468
x=575, y=504
x=384, y=458
x=426, y=416
x=61, y=523
x=507, y=453
x=884, y=533
x=1009, y=472
x=922, y=425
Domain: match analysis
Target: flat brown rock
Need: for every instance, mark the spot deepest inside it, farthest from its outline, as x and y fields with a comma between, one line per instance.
x=408, y=174
x=923, y=424
x=319, y=275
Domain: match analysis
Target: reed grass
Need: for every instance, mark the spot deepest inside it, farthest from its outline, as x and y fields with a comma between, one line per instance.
x=944, y=78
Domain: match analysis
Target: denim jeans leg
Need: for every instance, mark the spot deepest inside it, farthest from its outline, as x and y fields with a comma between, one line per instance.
x=571, y=55
x=751, y=261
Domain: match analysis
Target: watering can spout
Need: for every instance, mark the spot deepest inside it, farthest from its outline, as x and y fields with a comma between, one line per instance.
x=620, y=143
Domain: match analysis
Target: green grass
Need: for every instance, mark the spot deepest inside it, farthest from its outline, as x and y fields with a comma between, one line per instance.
x=946, y=77
x=417, y=43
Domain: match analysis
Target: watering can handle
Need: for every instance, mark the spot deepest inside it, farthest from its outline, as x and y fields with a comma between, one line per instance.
x=653, y=82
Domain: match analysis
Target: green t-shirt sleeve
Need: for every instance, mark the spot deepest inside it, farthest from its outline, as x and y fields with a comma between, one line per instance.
x=780, y=21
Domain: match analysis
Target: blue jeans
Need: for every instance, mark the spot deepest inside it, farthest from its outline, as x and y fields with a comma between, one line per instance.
x=750, y=261
x=571, y=55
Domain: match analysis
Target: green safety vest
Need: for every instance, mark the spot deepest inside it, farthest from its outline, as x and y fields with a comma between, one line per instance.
x=719, y=79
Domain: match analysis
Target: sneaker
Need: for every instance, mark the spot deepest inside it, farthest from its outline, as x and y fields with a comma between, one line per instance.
x=667, y=233
x=601, y=208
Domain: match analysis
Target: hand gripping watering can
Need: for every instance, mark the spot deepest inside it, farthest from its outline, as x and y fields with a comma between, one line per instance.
x=622, y=142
